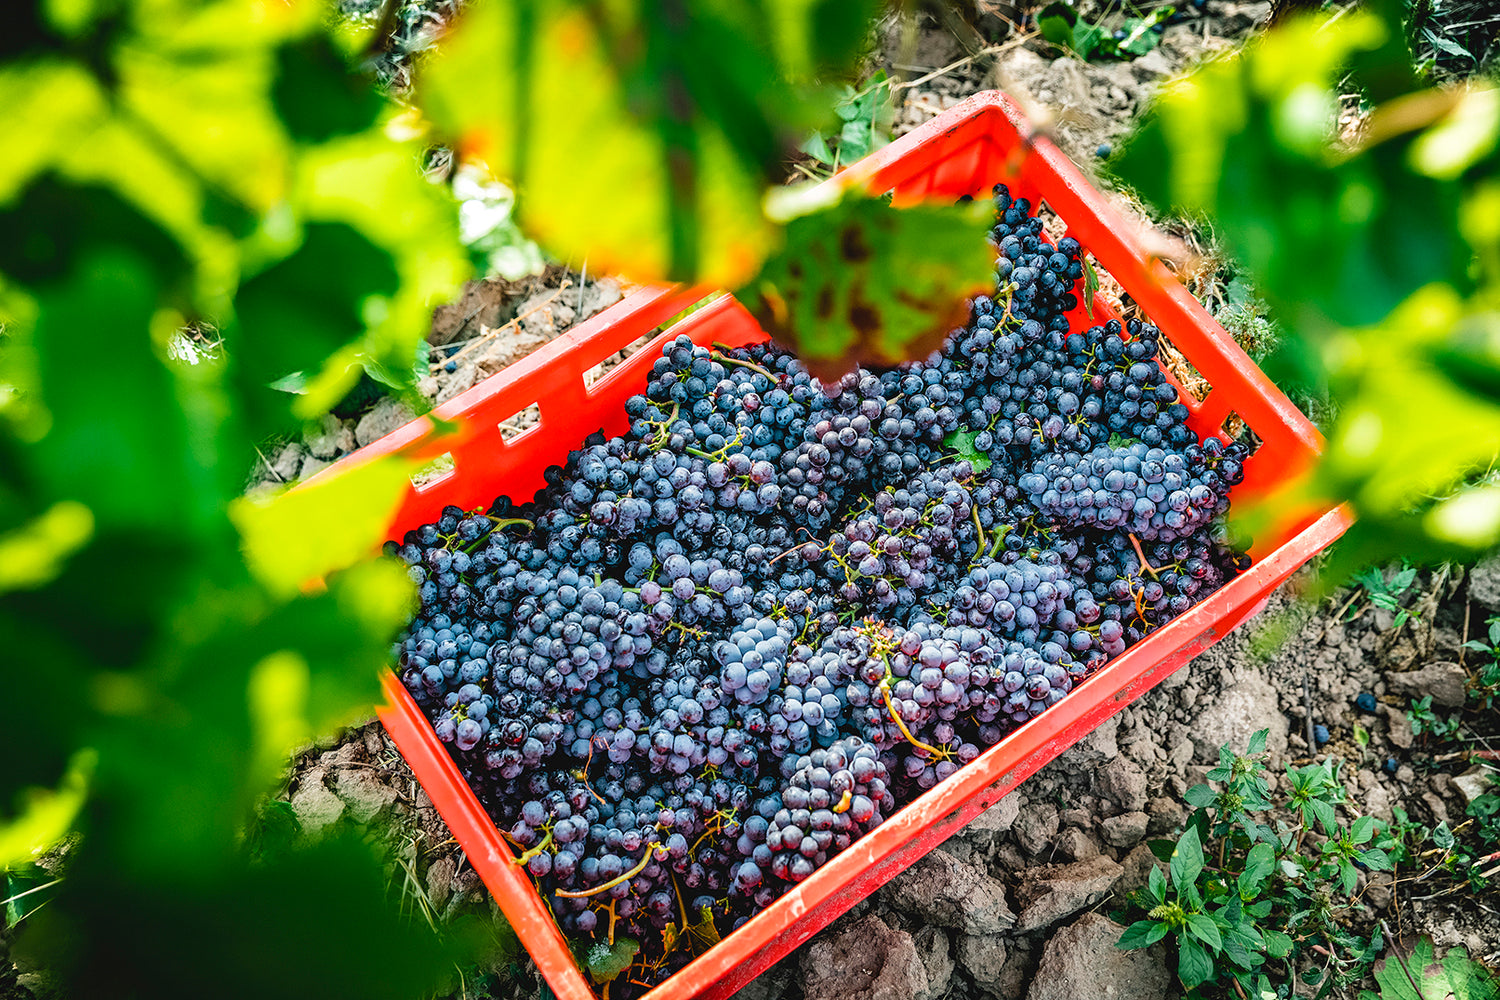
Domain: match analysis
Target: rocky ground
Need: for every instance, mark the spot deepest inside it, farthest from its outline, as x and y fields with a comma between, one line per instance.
x=1020, y=904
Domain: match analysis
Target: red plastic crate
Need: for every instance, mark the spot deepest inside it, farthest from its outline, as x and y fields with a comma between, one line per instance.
x=980, y=142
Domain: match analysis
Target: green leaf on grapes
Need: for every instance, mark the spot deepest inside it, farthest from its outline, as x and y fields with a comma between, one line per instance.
x=605, y=961
x=1090, y=286
x=962, y=442
x=861, y=282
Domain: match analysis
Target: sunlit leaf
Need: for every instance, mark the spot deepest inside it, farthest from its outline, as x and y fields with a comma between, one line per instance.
x=1465, y=136
x=694, y=154
x=299, y=535
x=33, y=553
x=604, y=961
x=865, y=283
x=46, y=815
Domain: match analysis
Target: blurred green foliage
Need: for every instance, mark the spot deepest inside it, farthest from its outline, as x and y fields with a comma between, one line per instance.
x=642, y=136
x=173, y=162
x=1376, y=247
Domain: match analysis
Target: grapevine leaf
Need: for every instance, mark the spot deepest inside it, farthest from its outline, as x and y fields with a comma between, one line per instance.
x=864, y=283
x=301, y=309
x=301, y=534
x=962, y=442
x=33, y=553
x=1457, y=976
x=695, y=157
x=1278, y=944
x=704, y=934
x=346, y=103
x=605, y=961
x=817, y=147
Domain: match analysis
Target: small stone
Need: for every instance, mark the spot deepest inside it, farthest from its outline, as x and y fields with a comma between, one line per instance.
x=1436, y=806
x=316, y=807
x=982, y=956
x=1399, y=728
x=1473, y=783
x=1378, y=803
x=1036, y=827
x=1125, y=830
x=386, y=416
x=1235, y=714
x=1074, y=843
x=1083, y=818
x=1484, y=583
x=942, y=891
x=1081, y=961
x=1122, y=782
x=999, y=817
x=361, y=789
x=1444, y=681
x=331, y=437
x=1094, y=749
x=462, y=380
x=865, y=960
x=288, y=463
x=312, y=465
x=1378, y=890
x=937, y=958
x=1165, y=814
x=1049, y=894
x=440, y=881
x=1137, y=867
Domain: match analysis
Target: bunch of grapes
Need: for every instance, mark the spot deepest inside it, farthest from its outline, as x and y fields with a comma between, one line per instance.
x=716, y=649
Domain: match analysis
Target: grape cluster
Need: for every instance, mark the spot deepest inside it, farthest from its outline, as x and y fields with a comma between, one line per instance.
x=716, y=649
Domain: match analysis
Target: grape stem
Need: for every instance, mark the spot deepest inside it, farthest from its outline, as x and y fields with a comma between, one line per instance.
x=724, y=359
x=538, y=849
x=844, y=802
x=496, y=523
x=885, y=692
x=974, y=510
x=1145, y=566
x=622, y=877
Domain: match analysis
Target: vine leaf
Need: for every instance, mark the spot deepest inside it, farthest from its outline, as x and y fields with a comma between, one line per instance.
x=962, y=442
x=862, y=282
x=658, y=166
x=303, y=533
x=605, y=961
